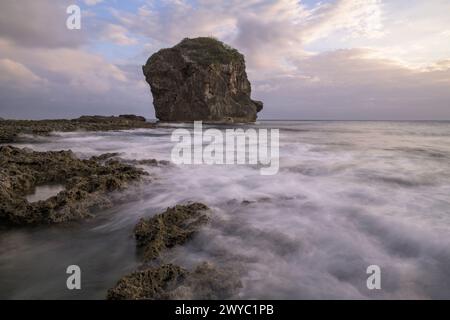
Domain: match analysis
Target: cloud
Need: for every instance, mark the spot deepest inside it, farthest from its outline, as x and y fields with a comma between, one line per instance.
x=360, y=18
x=92, y=2
x=49, y=71
x=334, y=59
x=39, y=23
x=353, y=84
x=268, y=32
x=117, y=34
x=169, y=21
x=65, y=82
x=13, y=73
x=67, y=66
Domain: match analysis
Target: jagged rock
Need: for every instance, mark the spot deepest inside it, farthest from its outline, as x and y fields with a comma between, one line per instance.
x=206, y=282
x=132, y=117
x=173, y=227
x=88, y=185
x=10, y=130
x=147, y=284
x=148, y=162
x=106, y=156
x=169, y=281
x=134, y=162
x=200, y=79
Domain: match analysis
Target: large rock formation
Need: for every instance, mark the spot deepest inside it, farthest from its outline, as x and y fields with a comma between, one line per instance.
x=200, y=79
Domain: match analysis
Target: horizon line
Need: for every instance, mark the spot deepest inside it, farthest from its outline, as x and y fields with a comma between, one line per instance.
x=272, y=119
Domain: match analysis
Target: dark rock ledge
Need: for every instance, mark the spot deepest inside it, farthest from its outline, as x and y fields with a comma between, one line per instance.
x=89, y=185
x=169, y=282
x=10, y=130
x=173, y=227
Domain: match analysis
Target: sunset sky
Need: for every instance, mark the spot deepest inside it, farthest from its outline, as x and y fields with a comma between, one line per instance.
x=340, y=59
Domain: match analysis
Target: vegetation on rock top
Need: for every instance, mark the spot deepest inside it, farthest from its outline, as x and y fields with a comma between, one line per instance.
x=208, y=51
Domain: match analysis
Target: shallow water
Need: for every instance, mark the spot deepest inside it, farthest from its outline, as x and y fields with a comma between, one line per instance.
x=348, y=195
x=44, y=192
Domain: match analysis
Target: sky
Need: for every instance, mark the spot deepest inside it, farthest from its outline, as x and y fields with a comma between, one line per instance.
x=306, y=60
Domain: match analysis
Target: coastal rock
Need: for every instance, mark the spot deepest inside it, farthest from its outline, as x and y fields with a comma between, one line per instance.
x=88, y=185
x=200, y=79
x=132, y=117
x=150, y=283
x=173, y=227
x=10, y=130
x=168, y=282
x=207, y=282
x=133, y=162
x=148, y=162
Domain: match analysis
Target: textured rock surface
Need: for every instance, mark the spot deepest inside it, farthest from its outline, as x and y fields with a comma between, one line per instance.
x=10, y=130
x=88, y=185
x=168, y=281
x=173, y=227
x=173, y=282
x=200, y=79
x=150, y=283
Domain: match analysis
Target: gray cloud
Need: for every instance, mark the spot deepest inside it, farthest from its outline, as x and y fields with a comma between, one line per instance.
x=49, y=71
x=349, y=84
x=61, y=101
x=38, y=23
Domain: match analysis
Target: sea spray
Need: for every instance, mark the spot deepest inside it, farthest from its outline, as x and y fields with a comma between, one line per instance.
x=234, y=147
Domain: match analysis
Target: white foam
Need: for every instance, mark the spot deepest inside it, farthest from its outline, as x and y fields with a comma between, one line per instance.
x=348, y=195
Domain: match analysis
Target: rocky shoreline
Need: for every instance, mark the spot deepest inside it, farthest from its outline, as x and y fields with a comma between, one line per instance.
x=88, y=185
x=94, y=184
x=12, y=131
x=175, y=226
x=172, y=282
x=200, y=79
x=157, y=279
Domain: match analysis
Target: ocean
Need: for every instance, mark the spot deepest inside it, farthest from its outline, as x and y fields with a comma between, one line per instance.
x=348, y=195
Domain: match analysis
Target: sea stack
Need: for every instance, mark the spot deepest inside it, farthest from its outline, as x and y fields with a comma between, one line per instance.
x=200, y=79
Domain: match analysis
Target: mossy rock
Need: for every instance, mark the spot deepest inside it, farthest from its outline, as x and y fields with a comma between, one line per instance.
x=169, y=282
x=88, y=185
x=150, y=283
x=175, y=226
x=209, y=51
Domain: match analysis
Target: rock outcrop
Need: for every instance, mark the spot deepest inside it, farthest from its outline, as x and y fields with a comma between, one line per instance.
x=11, y=130
x=169, y=282
x=200, y=79
x=88, y=185
x=173, y=227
